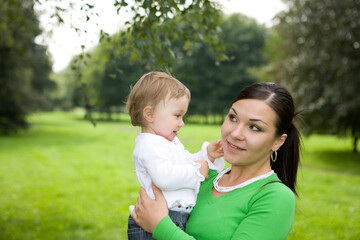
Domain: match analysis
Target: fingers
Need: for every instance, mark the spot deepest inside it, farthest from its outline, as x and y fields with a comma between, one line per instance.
x=220, y=148
x=134, y=214
x=160, y=199
x=219, y=144
x=138, y=201
x=207, y=170
x=142, y=193
x=157, y=191
x=206, y=165
x=138, y=206
x=143, y=197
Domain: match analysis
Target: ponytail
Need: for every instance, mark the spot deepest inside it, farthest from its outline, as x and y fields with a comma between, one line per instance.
x=288, y=158
x=281, y=101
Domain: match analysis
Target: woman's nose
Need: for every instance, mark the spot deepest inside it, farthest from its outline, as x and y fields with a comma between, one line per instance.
x=238, y=132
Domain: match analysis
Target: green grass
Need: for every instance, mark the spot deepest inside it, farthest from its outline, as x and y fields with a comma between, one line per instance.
x=65, y=179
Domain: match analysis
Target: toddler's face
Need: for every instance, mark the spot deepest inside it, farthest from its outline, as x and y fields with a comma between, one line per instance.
x=168, y=117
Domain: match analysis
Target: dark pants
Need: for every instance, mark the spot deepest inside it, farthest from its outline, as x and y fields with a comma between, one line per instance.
x=135, y=232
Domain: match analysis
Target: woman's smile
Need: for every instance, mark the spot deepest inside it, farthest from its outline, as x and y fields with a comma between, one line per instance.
x=234, y=148
x=249, y=133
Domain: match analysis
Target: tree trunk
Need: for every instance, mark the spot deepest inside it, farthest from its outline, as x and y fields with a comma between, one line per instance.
x=109, y=114
x=355, y=144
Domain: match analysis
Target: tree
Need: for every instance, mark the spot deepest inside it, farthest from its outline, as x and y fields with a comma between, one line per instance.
x=23, y=65
x=41, y=84
x=151, y=28
x=109, y=74
x=318, y=52
x=214, y=86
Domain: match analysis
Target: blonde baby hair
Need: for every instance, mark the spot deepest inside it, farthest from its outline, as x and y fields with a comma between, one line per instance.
x=149, y=90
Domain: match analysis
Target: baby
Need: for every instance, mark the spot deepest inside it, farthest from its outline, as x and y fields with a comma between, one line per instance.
x=157, y=103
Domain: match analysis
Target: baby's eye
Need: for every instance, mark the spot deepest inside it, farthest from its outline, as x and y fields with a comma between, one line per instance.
x=232, y=117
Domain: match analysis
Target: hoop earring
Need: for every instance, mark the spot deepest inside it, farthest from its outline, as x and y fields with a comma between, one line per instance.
x=271, y=156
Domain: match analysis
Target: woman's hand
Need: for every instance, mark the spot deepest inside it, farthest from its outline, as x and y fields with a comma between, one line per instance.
x=148, y=212
x=215, y=150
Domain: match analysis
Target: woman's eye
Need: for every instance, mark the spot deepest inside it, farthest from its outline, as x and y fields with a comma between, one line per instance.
x=255, y=128
x=232, y=118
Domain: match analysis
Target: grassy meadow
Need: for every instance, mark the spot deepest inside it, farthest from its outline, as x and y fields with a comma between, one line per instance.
x=65, y=179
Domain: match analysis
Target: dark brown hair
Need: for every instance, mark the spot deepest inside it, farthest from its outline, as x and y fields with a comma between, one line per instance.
x=281, y=101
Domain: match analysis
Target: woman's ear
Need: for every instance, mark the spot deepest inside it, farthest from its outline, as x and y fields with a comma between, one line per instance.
x=148, y=114
x=279, y=142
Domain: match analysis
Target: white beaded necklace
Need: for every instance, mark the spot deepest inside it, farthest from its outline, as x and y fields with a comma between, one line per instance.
x=232, y=188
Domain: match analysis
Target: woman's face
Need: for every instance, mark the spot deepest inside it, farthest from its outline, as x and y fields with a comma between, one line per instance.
x=248, y=133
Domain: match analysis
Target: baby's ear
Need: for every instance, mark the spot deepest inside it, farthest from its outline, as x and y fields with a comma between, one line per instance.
x=148, y=114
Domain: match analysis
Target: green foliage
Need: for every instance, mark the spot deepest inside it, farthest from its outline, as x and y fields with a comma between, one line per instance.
x=110, y=71
x=24, y=66
x=25, y=83
x=152, y=28
x=109, y=74
x=213, y=87
x=68, y=92
x=64, y=179
x=316, y=52
x=157, y=23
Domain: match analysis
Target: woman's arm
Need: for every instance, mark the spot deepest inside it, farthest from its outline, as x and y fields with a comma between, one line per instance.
x=149, y=213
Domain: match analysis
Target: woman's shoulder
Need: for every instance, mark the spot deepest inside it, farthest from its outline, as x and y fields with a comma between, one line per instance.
x=209, y=181
x=212, y=174
x=273, y=188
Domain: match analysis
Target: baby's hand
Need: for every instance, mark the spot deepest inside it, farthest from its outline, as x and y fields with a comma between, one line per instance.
x=204, y=169
x=215, y=150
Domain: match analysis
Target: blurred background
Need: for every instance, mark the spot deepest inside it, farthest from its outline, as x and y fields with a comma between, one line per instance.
x=66, y=68
x=61, y=54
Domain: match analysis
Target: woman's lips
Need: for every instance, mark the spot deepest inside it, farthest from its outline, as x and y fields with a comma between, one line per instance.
x=234, y=147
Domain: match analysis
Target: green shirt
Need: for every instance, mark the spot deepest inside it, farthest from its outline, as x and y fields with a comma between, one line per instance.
x=257, y=211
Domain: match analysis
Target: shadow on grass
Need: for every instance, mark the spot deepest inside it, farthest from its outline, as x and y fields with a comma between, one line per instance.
x=105, y=120
x=51, y=134
x=59, y=228
x=344, y=162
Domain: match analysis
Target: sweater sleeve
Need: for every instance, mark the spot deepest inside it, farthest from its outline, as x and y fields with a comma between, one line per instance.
x=218, y=163
x=166, y=174
x=270, y=215
x=167, y=230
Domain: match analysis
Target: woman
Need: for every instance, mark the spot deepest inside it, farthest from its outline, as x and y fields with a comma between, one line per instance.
x=255, y=197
